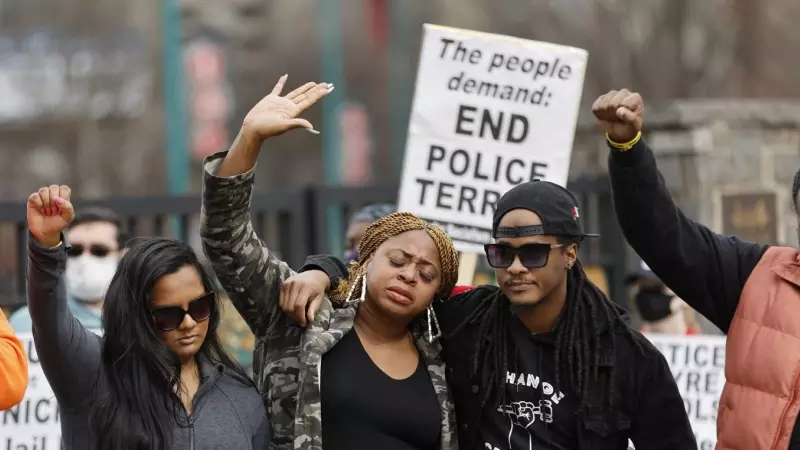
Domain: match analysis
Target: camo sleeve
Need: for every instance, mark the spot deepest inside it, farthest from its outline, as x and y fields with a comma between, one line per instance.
x=247, y=270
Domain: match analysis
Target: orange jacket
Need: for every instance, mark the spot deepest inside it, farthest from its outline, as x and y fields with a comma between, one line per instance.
x=760, y=403
x=13, y=366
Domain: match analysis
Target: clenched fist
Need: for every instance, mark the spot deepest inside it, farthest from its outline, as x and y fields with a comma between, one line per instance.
x=620, y=114
x=49, y=213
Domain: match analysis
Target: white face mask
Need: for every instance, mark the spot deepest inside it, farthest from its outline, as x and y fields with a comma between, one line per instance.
x=88, y=277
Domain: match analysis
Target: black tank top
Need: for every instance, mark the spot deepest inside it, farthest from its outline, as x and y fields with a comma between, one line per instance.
x=363, y=408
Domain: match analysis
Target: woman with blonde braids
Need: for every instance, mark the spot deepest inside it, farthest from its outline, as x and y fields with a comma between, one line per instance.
x=373, y=342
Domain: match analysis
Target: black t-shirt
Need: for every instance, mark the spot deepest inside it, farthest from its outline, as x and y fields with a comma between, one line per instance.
x=537, y=414
x=363, y=408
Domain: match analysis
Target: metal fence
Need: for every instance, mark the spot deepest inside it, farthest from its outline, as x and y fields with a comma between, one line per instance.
x=294, y=223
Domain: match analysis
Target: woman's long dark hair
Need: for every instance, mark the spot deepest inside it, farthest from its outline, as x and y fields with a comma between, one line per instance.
x=140, y=407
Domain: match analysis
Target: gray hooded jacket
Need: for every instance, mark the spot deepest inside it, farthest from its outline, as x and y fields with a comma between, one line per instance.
x=228, y=412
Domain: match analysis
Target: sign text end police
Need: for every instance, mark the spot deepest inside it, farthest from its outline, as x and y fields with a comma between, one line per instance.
x=477, y=166
x=490, y=112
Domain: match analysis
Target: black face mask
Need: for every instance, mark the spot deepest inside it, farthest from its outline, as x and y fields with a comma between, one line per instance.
x=653, y=305
x=652, y=289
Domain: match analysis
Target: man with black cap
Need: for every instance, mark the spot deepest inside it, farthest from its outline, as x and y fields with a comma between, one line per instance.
x=547, y=361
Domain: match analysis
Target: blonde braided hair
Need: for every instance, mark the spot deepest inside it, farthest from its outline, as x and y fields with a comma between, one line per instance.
x=390, y=226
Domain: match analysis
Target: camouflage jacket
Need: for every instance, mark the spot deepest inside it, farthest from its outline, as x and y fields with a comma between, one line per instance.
x=288, y=356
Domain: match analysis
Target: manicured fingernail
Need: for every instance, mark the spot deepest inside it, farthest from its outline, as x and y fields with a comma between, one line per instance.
x=330, y=85
x=312, y=131
x=59, y=200
x=330, y=89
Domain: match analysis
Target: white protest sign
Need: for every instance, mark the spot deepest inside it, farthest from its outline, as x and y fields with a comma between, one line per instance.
x=34, y=424
x=698, y=365
x=489, y=112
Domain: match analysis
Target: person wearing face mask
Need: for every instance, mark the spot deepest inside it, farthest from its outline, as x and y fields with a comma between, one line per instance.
x=96, y=240
x=661, y=310
x=358, y=226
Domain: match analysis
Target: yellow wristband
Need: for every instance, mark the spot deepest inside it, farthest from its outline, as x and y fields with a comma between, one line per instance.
x=627, y=145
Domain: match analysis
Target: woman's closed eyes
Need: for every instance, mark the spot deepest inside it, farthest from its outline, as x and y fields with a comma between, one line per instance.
x=426, y=277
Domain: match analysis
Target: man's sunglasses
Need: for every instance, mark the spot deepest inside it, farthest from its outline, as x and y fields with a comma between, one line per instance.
x=532, y=256
x=98, y=250
x=170, y=317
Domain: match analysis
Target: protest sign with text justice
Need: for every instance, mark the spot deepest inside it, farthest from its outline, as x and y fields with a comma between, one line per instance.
x=698, y=365
x=35, y=423
x=489, y=112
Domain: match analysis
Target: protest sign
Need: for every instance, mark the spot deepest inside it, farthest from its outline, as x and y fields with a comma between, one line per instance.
x=698, y=365
x=34, y=424
x=489, y=112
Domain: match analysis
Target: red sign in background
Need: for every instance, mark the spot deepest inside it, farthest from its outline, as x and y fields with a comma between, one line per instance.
x=210, y=97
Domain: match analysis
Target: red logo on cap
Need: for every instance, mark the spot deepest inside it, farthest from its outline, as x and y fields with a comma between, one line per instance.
x=575, y=213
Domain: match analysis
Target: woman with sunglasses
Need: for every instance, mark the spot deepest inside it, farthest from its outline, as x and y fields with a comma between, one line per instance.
x=159, y=378
x=545, y=359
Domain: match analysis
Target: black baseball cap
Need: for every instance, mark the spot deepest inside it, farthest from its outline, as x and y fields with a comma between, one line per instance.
x=643, y=272
x=555, y=205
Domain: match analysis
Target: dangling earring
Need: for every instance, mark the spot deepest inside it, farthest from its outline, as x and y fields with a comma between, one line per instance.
x=347, y=300
x=363, y=288
x=435, y=320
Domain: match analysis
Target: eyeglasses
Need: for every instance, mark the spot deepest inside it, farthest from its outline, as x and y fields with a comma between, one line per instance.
x=170, y=317
x=532, y=256
x=98, y=250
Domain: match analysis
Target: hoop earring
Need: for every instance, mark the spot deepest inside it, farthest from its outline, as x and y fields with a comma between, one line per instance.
x=363, y=288
x=432, y=314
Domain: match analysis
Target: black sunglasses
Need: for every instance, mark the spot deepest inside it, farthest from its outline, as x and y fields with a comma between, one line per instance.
x=170, y=317
x=99, y=250
x=532, y=256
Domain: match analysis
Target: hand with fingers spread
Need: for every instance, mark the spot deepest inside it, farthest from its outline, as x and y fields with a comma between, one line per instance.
x=302, y=294
x=49, y=213
x=276, y=114
x=620, y=114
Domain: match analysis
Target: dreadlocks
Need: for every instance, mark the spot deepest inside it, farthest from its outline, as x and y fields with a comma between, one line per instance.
x=578, y=342
x=389, y=226
x=795, y=189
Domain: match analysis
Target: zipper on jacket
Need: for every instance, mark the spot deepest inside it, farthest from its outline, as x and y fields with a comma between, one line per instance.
x=190, y=418
x=191, y=434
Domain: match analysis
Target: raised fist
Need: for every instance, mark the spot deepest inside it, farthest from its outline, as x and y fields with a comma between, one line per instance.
x=276, y=114
x=620, y=114
x=49, y=213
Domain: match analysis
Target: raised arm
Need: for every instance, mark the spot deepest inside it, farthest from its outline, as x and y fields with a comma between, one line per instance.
x=70, y=354
x=705, y=269
x=13, y=366
x=248, y=271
